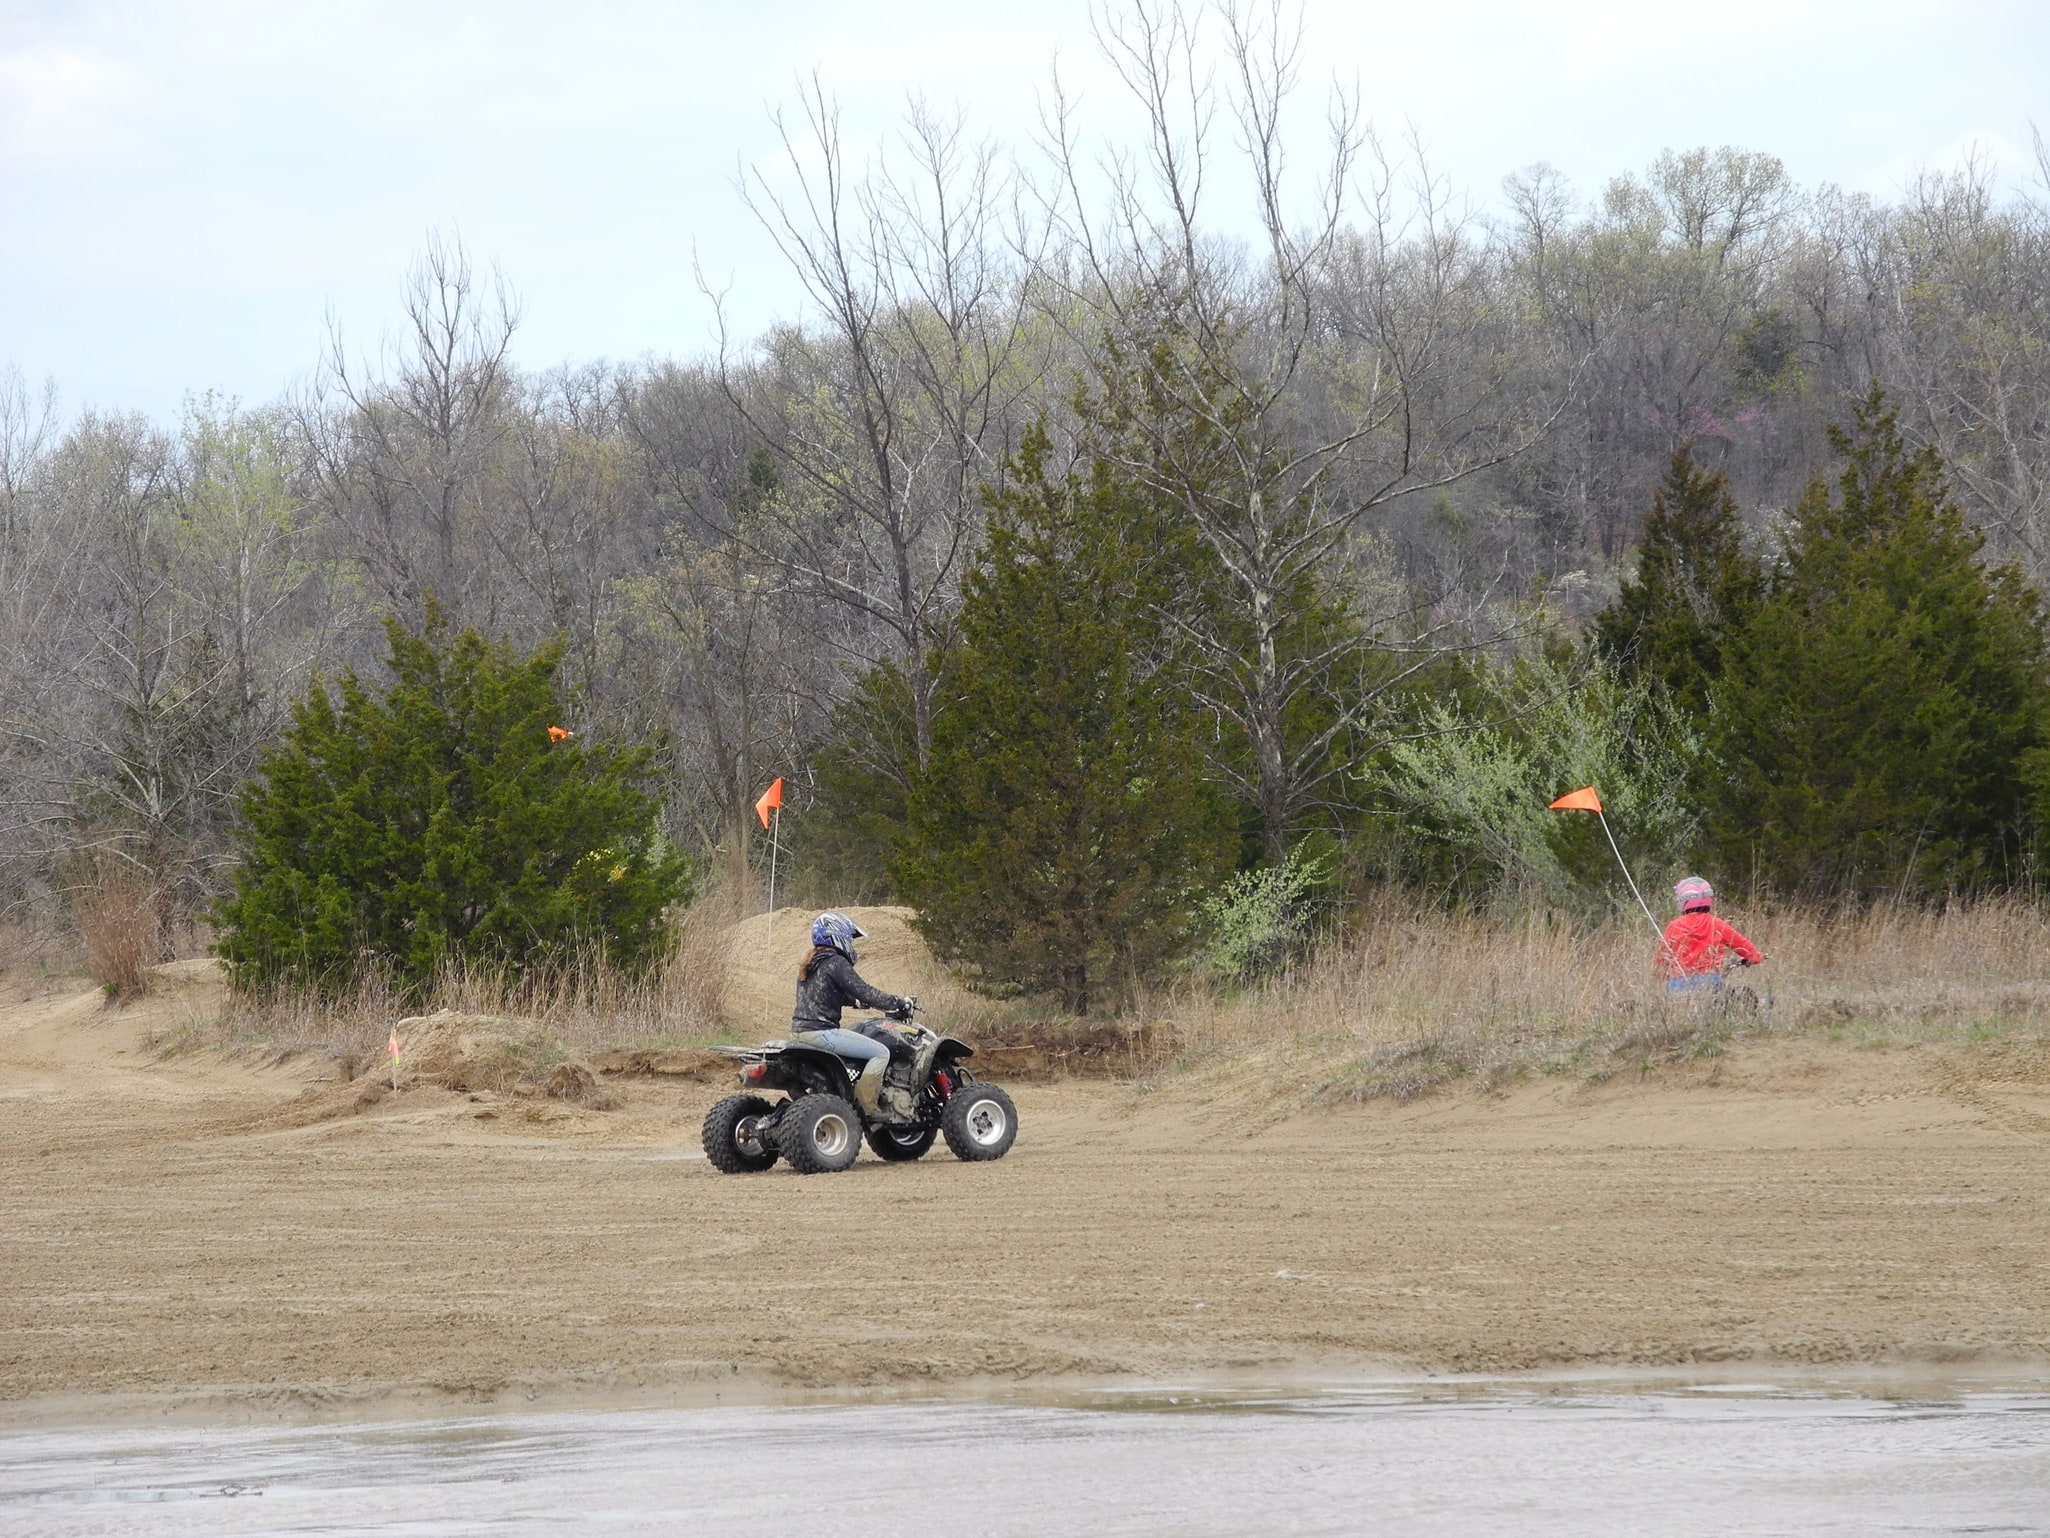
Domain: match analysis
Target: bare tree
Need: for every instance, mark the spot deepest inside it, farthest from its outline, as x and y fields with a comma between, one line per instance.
x=888, y=408
x=403, y=455
x=1968, y=285
x=27, y=423
x=1667, y=293
x=1280, y=397
x=565, y=524
x=733, y=652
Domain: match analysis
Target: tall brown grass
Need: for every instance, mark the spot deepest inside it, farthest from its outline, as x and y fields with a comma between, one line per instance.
x=116, y=911
x=586, y=1006
x=1406, y=1001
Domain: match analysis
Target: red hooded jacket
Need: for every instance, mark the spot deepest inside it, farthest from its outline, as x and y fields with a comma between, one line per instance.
x=1695, y=943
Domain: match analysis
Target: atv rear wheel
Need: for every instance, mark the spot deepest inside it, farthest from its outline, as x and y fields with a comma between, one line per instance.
x=819, y=1135
x=901, y=1144
x=980, y=1123
x=730, y=1137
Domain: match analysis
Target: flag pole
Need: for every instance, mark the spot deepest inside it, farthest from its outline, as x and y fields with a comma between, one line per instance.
x=1588, y=799
x=1630, y=878
x=775, y=832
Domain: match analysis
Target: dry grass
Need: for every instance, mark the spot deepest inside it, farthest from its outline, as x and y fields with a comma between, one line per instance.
x=116, y=913
x=582, y=1009
x=1410, y=1003
x=1406, y=1004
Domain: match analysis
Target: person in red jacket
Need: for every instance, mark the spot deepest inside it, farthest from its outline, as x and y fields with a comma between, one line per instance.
x=1698, y=943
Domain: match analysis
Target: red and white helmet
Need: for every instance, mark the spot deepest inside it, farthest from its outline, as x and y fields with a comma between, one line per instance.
x=1694, y=895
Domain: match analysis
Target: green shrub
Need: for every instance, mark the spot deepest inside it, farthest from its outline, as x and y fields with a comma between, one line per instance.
x=1065, y=820
x=1478, y=777
x=444, y=824
x=1258, y=919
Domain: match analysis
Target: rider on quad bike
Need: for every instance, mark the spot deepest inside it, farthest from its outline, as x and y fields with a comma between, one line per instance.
x=1697, y=943
x=826, y=984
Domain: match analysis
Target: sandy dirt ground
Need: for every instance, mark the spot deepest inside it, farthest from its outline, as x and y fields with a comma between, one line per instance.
x=166, y=1236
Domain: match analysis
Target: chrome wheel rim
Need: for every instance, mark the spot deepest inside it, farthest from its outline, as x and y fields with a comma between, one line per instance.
x=830, y=1134
x=747, y=1136
x=987, y=1123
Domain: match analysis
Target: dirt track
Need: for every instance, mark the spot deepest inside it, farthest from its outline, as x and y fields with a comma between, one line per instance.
x=1803, y=1203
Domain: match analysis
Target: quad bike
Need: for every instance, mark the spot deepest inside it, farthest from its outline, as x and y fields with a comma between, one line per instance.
x=818, y=1127
x=1718, y=993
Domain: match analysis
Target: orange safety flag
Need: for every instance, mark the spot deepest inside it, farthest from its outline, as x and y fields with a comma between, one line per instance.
x=394, y=1042
x=1578, y=801
x=560, y=734
x=771, y=798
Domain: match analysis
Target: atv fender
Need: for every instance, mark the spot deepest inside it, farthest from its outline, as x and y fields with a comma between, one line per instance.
x=830, y=1068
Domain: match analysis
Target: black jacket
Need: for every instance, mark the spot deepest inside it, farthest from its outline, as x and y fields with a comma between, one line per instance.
x=830, y=987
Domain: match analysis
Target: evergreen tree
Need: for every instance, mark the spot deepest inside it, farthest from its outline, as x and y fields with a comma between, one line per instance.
x=1876, y=717
x=1694, y=586
x=861, y=779
x=445, y=822
x=1064, y=824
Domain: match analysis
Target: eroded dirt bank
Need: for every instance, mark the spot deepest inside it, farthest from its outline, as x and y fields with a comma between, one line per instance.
x=161, y=1232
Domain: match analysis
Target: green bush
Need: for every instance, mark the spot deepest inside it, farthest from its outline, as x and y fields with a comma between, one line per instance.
x=443, y=824
x=1479, y=774
x=1259, y=919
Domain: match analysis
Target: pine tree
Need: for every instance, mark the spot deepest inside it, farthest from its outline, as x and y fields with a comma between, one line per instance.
x=445, y=823
x=1694, y=586
x=1877, y=716
x=1064, y=825
x=861, y=775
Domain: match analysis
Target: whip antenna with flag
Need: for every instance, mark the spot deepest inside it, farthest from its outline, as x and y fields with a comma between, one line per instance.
x=770, y=810
x=1586, y=800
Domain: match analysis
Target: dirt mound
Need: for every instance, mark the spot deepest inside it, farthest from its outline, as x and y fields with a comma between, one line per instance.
x=495, y=1055
x=691, y=1064
x=492, y=1054
x=203, y=972
x=763, y=953
x=1061, y=1049
x=1786, y=1201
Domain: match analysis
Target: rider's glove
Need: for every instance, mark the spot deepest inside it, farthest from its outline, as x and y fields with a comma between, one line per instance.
x=905, y=1009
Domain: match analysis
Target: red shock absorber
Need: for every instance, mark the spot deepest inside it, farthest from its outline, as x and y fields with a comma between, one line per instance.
x=945, y=1081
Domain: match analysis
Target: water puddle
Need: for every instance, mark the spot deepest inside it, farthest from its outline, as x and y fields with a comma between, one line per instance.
x=1717, y=1459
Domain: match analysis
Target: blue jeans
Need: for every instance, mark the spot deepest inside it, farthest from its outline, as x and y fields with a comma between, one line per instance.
x=1691, y=983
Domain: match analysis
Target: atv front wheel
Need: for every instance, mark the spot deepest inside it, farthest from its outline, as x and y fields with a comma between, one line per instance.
x=819, y=1135
x=901, y=1144
x=980, y=1123
x=732, y=1139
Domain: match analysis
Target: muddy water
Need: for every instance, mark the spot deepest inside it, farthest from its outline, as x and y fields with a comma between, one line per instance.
x=1723, y=1460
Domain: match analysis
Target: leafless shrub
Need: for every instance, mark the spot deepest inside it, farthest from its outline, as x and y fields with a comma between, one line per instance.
x=115, y=910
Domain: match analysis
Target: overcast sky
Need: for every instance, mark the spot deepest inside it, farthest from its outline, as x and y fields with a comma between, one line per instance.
x=188, y=188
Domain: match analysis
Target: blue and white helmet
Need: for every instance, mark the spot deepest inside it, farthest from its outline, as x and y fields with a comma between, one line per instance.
x=838, y=932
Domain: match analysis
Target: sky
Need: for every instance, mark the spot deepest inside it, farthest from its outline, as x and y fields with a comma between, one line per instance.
x=192, y=191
